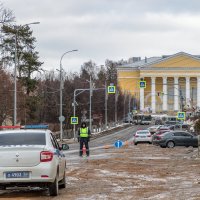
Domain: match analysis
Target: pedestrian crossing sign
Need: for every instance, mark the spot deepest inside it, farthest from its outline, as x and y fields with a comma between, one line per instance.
x=111, y=89
x=74, y=120
x=142, y=84
x=181, y=115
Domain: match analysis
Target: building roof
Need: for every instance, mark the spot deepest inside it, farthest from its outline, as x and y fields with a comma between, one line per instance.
x=147, y=62
x=141, y=62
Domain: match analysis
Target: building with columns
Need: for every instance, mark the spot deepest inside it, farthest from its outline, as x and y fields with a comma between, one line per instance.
x=172, y=82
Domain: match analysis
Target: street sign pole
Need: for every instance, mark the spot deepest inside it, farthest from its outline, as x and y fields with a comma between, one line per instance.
x=74, y=126
x=181, y=116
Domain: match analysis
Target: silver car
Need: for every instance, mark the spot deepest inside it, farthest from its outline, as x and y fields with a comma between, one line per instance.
x=142, y=136
x=31, y=158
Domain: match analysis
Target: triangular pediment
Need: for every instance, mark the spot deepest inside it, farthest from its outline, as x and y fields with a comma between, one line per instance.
x=179, y=60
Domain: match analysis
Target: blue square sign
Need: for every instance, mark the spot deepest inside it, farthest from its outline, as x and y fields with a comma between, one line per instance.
x=111, y=89
x=142, y=84
x=181, y=115
x=74, y=120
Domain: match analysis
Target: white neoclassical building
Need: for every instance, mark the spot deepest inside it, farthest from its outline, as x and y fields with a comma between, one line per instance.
x=172, y=82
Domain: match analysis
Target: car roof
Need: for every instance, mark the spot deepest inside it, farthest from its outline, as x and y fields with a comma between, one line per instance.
x=164, y=128
x=24, y=131
x=143, y=131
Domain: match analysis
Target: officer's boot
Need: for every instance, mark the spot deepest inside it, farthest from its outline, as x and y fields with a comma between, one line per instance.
x=81, y=153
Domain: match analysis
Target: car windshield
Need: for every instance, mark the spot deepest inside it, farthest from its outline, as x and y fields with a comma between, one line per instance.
x=22, y=139
x=164, y=128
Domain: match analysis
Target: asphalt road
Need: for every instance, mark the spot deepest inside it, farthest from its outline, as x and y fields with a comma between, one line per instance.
x=110, y=139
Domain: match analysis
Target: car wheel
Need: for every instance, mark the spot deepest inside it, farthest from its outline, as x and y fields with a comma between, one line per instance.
x=53, y=188
x=162, y=146
x=63, y=181
x=135, y=143
x=170, y=144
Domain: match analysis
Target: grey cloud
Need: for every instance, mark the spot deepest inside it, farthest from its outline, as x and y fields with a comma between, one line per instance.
x=113, y=29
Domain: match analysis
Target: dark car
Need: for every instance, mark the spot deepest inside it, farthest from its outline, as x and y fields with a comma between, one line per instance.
x=175, y=138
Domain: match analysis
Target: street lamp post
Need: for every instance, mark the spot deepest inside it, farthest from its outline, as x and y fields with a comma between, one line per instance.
x=61, y=88
x=106, y=106
x=15, y=74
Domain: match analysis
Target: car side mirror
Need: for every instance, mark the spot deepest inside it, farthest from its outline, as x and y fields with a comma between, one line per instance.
x=65, y=147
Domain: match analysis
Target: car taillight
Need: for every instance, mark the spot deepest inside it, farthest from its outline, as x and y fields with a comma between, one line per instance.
x=46, y=156
x=136, y=135
x=158, y=138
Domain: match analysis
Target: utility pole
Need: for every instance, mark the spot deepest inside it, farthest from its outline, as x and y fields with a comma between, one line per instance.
x=61, y=104
x=61, y=118
x=74, y=102
x=15, y=72
x=129, y=109
x=124, y=106
x=15, y=83
x=106, y=109
x=116, y=100
x=90, y=125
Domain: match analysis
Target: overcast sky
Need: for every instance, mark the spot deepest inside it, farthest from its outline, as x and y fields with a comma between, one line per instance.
x=109, y=29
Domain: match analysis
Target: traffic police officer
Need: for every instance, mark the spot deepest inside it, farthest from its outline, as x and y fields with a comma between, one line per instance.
x=84, y=137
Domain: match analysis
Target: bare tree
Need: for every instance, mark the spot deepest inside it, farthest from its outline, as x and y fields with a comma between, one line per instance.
x=6, y=15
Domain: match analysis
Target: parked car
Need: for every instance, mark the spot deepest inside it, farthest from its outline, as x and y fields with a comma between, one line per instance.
x=142, y=136
x=185, y=127
x=32, y=158
x=153, y=129
x=171, y=127
x=160, y=131
x=175, y=138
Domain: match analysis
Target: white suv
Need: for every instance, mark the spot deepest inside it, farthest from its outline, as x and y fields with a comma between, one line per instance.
x=31, y=158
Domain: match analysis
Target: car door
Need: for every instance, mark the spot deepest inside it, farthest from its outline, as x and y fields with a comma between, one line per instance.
x=178, y=139
x=187, y=139
x=60, y=155
x=190, y=140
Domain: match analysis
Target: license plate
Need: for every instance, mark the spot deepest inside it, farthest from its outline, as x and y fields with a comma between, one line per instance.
x=142, y=136
x=17, y=174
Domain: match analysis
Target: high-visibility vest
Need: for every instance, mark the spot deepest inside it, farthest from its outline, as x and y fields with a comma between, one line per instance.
x=84, y=132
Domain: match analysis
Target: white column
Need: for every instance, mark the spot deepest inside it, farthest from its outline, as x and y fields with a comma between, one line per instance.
x=176, y=94
x=187, y=89
x=153, y=94
x=198, y=91
x=141, y=99
x=164, y=93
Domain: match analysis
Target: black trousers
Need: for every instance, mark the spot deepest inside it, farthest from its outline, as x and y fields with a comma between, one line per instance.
x=84, y=141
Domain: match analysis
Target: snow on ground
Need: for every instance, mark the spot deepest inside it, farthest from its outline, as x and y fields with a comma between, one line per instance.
x=142, y=172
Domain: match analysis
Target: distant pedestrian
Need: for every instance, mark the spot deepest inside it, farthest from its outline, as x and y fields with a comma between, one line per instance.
x=84, y=137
